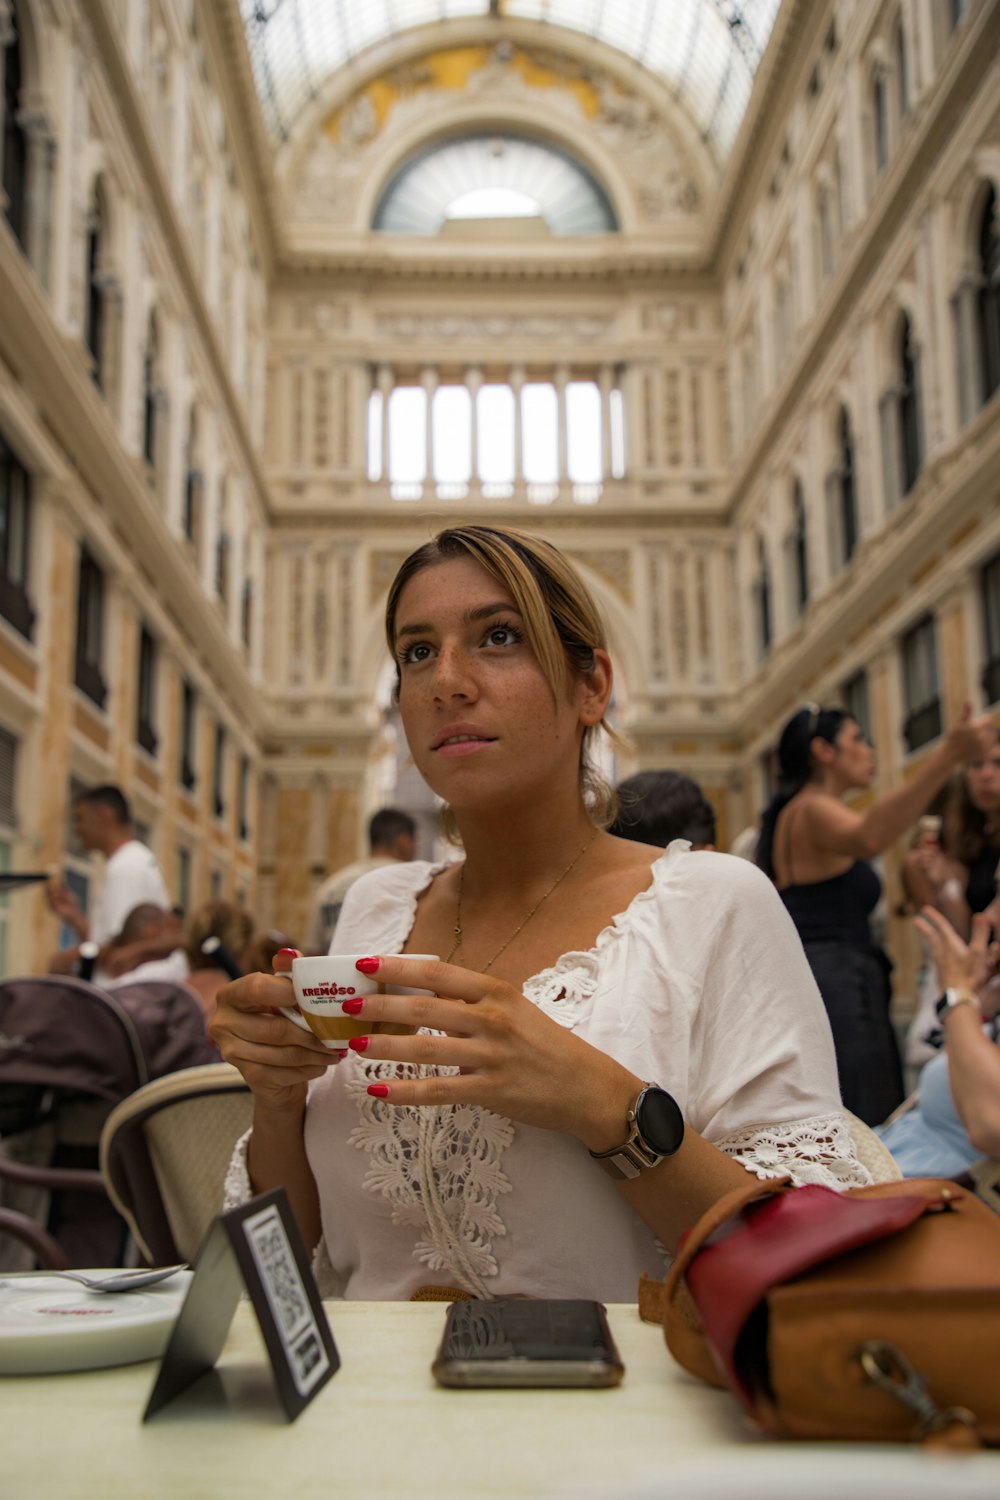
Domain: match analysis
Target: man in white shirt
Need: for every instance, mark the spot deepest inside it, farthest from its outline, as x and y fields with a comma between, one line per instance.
x=392, y=835
x=103, y=824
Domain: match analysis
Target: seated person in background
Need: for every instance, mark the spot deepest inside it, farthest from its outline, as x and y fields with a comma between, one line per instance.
x=656, y=807
x=234, y=929
x=150, y=947
x=954, y=1118
x=392, y=837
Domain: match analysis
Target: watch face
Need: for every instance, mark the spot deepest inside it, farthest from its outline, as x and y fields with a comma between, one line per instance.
x=660, y=1122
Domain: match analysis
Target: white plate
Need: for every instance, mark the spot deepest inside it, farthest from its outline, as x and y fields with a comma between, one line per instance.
x=49, y=1325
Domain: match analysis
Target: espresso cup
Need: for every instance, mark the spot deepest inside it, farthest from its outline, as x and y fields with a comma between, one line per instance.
x=321, y=986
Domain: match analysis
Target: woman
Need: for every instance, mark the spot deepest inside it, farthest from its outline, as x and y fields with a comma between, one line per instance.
x=954, y=1119
x=495, y=1149
x=233, y=930
x=958, y=872
x=817, y=851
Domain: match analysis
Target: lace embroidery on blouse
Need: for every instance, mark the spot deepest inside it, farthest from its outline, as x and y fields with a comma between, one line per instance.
x=439, y=1168
x=817, y=1150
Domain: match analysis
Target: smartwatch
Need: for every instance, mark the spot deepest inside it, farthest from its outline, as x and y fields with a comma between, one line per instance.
x=655, y=1131
x=952, y=998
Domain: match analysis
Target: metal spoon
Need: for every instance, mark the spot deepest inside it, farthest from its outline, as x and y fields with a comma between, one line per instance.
x=118, y=1281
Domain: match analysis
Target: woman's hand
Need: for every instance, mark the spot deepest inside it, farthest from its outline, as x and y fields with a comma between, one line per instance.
x=960, y=965
x=513, y=1059
x=275, y=1056
x=971, y=739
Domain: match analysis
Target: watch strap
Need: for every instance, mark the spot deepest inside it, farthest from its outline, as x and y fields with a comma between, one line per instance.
x=634, y=1156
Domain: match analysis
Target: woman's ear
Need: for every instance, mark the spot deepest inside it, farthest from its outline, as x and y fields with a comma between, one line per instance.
x=595, y=689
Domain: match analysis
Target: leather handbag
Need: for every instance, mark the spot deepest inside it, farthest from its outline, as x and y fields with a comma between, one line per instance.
x=867, y=1314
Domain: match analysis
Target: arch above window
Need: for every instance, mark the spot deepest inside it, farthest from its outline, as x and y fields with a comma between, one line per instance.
x=497, y=177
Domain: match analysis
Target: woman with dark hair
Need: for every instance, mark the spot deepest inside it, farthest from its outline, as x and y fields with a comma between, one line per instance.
x=957, y=873
x=614, y=1034
x=816, y=850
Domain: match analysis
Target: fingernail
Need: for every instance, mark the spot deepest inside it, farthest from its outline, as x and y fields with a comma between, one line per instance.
x=352, y=1007
x=368, y=965
x=359, y=1043
x=379, y=1090
x=292, y=952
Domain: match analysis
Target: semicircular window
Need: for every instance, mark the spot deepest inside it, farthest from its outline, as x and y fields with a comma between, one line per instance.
x=528, y=184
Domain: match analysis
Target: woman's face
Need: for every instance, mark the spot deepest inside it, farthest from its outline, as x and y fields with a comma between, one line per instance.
x=855, y=758
x=982, y=779
x=477, y=709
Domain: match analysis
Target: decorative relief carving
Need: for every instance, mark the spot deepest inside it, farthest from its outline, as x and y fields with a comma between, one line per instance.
x=330, y=178
x=657, y=623
x=679, y=629
x=496, y=329
x=321, y=616
x=298, y=618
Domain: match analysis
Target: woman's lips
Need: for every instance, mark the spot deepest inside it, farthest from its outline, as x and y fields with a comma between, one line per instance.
x=465, y=745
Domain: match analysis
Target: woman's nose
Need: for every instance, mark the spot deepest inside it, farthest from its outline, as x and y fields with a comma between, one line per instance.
x=452, y=676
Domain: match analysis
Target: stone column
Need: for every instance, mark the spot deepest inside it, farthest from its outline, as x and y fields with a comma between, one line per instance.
x=967, y=335
x=384, y=381
x=41, y=161
x=429, y=381
x=955, y=655
x=517, y=381
x=473, y=380
x=561, y=382
x=606, y=382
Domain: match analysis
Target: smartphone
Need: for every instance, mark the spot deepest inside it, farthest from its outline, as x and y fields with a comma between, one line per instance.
x=520, y=1341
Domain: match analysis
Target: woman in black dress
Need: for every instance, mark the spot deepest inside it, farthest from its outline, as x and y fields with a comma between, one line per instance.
x=816, y=850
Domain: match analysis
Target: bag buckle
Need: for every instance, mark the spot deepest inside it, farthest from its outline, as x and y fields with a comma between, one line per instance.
x=890, y=1370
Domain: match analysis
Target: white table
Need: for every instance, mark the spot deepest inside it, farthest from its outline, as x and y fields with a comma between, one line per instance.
x=382, y=1428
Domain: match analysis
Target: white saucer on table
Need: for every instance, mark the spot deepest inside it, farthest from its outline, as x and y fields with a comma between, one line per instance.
x=48, y=1325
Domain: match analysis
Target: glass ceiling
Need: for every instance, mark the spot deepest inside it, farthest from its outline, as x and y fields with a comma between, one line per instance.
x=706, y=50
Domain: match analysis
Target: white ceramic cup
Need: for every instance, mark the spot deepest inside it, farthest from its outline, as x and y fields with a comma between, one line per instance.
x=323, y=983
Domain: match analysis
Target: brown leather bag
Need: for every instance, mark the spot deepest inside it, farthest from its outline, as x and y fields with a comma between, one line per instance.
x=867, y=1314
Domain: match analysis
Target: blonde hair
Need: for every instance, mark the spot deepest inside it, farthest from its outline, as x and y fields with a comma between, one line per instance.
x=232, y=926
x=562, y=623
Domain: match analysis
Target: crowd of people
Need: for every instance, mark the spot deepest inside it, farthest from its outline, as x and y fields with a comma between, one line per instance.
x=622, y=1021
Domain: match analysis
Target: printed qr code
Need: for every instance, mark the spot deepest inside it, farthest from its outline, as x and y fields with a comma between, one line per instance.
x=306, y=1355
x=284, y=1284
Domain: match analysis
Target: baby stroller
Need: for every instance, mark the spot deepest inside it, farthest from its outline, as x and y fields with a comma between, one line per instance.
x=69, y=1052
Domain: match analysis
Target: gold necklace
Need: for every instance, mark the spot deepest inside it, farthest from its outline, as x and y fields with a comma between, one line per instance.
x=524, y=922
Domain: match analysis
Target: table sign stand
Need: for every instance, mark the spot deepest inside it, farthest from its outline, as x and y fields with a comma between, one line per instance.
x=256, y=1246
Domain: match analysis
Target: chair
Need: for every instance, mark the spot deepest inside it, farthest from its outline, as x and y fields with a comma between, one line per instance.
x=164, y=1153
x=871, y=1151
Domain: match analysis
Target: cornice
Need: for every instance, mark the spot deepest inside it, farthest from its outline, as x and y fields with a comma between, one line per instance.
x=74, y=413
x=119, y=78
x=378, y=259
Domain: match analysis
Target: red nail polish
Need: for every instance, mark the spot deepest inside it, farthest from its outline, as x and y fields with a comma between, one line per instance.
x=359, y=1043
x=352, y=1007
x=379, y=1090
x=294, y=952
x=368, y=965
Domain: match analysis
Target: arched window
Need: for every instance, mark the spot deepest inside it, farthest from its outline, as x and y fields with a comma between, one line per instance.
x=798, y=547
x=880, y=121
x=989, y=297
x=762, y=600
x=150, y=392
x=15, y=141
x=94, y=328
x=841, y=496
x=910, y=440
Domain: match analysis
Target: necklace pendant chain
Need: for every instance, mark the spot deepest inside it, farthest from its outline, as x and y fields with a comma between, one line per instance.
x=457, y=929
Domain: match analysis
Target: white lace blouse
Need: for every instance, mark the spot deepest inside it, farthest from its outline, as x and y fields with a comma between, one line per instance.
x=700, y=985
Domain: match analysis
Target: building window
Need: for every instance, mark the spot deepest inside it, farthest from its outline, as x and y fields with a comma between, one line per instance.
x=990, y=595
x=95, y=319
x=799, y=551
x=145, y=733
x=921, y=692
x=222, y=567
x=824, y=216
x=243, y=802
x=15, y=141
x=152, y=395
x=90, y=630
x=8, y=826
x=762, y=600
x=15, y=542
x=957, y=9
x=880, y=122
x=841, y=497
x=219, y=773
x=910, y=440
x=854, y=696
x=989, y=297
x=902, y=69
x=246, y=614
x=189, y=714
x=194, y=486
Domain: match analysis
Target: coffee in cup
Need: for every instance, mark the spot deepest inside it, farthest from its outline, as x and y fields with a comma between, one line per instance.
x=321, y=986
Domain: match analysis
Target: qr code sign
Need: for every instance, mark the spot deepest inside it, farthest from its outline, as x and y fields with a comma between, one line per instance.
x=286, y=1295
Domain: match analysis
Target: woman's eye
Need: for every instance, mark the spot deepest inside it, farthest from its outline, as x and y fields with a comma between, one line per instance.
x=417, y=652
x=503, y=635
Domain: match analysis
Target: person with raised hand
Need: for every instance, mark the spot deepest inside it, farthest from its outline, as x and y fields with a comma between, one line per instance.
x=614, y=1034
x=817, y=851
